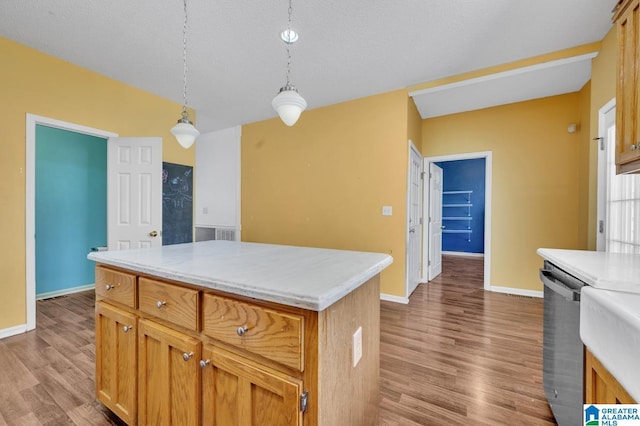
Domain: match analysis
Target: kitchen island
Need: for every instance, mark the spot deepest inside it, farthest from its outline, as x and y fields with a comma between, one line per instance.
x=226, y=333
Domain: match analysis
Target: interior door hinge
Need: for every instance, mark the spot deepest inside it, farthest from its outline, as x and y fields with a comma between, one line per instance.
x=422, y=175
x=601, y=226
x=304, y=401
x=601, y=142
x=420, y=221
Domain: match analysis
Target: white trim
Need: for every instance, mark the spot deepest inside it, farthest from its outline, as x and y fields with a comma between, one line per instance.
x=30, y=220
x=12, y=331
x=488, y=179
x=462, y=254
x=395, y=299
x=517, y=291
x=601, y=179
x=64, y=292
x=413, y=148
x=503, y=74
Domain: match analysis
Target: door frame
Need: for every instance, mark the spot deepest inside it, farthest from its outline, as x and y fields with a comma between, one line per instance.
x=30, y=200
x=413, y=148
x=601, y=197
x=488, y=157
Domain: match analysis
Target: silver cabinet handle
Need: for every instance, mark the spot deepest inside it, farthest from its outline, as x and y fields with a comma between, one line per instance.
x=187, y=356
x=127, y=328
x=634, y=147
x=242, y=330
x=160, y=304
x=109, y=287
x=204, y=363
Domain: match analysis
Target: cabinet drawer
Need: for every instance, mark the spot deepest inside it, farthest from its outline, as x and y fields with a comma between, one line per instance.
x=274, y=335
x=117, y=286
x=170, y=302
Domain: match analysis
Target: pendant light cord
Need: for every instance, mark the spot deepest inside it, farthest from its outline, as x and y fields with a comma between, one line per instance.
x=184, y=61
x=289, y=44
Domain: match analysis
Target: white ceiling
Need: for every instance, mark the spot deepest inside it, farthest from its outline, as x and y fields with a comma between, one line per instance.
x=347, y=49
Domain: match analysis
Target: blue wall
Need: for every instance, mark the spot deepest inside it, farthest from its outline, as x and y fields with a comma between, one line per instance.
x=464, y=175
x=71, y=207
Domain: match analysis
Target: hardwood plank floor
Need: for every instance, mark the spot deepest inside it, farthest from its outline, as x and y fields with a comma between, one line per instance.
x=458, y=355
x=455, y=355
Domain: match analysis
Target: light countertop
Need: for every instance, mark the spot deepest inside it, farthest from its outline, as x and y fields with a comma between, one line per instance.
x=610, y=271
x=309, y=278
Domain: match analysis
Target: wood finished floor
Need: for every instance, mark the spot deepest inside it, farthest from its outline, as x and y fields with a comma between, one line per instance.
x=458, y=355
x=455, y=355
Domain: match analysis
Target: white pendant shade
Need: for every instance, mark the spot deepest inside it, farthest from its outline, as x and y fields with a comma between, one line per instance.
x=289, y=105
x=185, y=133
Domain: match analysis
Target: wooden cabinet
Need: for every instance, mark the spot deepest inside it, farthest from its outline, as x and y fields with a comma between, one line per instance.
x=116, y=366
x=169, y=353
x=237, y=391
x=169, y=376
x=600, y=386
x=627, y=21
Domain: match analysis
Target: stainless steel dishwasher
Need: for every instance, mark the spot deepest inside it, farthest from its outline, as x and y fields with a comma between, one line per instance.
x=563, y=351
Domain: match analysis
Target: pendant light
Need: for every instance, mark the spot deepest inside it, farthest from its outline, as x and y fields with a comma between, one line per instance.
x=288, y=103
x=184, y=131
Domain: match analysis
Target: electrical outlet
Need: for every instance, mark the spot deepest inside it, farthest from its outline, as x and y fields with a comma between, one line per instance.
x=357, y=346
x=387, y=210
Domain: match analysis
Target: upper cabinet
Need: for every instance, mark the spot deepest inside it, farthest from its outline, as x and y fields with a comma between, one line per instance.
x=627, y=23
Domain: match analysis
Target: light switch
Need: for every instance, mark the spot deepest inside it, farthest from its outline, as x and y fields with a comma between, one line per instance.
x=387, y=210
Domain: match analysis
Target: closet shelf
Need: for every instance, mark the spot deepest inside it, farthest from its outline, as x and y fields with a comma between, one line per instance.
x=457, y=231
x=458, y=205
x=457, y=218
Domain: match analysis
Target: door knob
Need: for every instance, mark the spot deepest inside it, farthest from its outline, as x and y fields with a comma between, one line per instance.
x=153, y=233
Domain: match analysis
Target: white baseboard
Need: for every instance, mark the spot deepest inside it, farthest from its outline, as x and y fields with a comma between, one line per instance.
x=517, y=291
x=392, y=298
x=64, y=292
x=462, y=253
x=12, y=331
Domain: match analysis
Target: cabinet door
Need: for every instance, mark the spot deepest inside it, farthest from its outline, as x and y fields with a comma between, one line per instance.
x=238, y=392
x=169, y=376
x=116, y=370
x=627, y=90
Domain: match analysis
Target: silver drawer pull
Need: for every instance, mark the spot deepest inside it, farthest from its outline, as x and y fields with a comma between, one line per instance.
x=187, y=356
x=127, y=328
x=204, y=363
x=242, y=330
x=161, y=303
x=109, y=287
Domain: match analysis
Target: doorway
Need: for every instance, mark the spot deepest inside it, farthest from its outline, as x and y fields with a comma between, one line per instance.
x=70, y=209
x=30, y=220
x=462, y=224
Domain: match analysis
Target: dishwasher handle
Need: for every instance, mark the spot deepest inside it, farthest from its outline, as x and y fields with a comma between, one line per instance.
x=571, y=294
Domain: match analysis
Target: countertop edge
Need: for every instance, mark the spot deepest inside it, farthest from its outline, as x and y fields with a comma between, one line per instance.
x=288, y=298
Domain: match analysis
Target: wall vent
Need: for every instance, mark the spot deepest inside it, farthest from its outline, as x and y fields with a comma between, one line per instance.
x=206, y=234
x=227, y=234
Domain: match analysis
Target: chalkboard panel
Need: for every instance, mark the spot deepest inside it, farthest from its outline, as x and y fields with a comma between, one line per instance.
x=177, y=204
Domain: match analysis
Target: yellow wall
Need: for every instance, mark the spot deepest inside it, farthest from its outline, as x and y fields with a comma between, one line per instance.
x=603, y=89
x=414, y=124
x=36, y=83
x=535, y=201
x=324, y=181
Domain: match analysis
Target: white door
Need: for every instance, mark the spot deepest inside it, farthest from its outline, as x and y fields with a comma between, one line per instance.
x=435, y=220
x=414, y=225
x=134, y=189
x=606, y=161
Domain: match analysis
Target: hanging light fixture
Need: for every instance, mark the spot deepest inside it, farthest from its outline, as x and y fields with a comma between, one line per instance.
x=184, y=131
x=288, y=103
